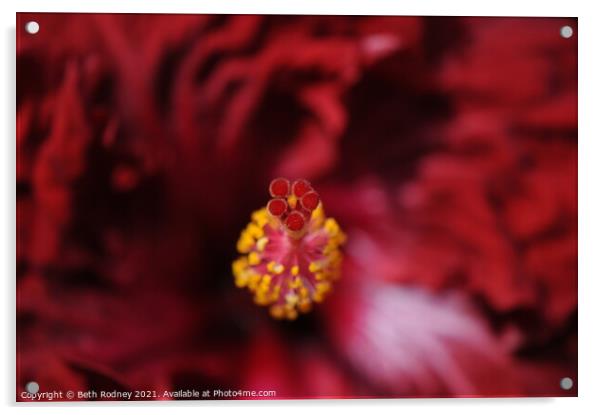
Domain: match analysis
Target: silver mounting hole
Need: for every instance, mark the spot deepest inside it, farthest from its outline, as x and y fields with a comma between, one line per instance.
x=32, y=27
x=32, y=387
x=566, y=383
x=566, y=31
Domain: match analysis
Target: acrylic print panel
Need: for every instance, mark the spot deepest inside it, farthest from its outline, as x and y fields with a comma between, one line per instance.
x=275, y=207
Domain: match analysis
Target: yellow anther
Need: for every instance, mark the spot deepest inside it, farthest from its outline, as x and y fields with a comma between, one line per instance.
x=261, y=243
x=329, y=248
x=303, y=292
x=253, y=281
x=245, y=243
x=292, y=200
x=331, y=226
x=320, y=276
x=260, y=217
x=254, y=258
x=295, y=270
x=239, y=266
x=314, y=266
x=318, y=213
x=254, y=230
x=261, y=300
x=275, y=268
x=323, y=287
x=277, y=311
x=291, y=299
x=305, y=306
x=241, y=280
x=295, y=282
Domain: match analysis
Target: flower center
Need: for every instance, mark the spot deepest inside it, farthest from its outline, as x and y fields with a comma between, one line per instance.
x=291, y=251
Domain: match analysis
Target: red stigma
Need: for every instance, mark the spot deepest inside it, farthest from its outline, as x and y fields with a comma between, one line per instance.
x=279, y=187
x=295, y=221
x=300, y=187
x=293, y=213
x=310, y=200
x=277, y=207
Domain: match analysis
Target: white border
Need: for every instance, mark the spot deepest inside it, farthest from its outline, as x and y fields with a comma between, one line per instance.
x=590, y=200
x=372, y=7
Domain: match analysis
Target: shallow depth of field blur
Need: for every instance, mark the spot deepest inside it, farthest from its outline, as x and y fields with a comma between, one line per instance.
x=446, y=148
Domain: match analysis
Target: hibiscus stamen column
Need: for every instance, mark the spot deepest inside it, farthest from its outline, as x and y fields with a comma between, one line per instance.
x=290, y=252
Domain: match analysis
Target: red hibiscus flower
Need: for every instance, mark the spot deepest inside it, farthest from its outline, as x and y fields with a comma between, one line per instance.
x=444, y=148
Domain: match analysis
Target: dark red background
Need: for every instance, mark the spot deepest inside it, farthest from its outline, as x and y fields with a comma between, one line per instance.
x=445, y=147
